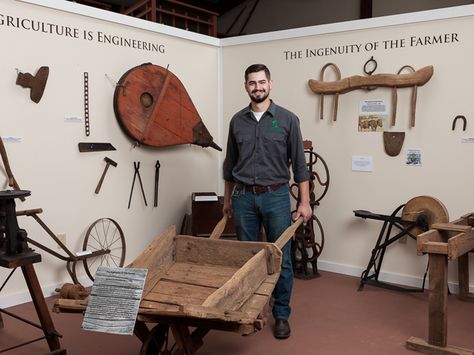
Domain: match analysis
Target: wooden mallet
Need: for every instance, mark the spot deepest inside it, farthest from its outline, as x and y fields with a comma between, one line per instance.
x=108, y=163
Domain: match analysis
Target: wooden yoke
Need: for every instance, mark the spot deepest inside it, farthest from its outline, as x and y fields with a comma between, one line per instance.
x=417, y=78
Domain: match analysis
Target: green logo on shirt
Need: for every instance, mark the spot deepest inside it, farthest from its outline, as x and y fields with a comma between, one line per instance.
x=276, y=126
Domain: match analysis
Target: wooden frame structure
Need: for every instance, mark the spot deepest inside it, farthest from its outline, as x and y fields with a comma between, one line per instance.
x=443, y=242
x=177, y=14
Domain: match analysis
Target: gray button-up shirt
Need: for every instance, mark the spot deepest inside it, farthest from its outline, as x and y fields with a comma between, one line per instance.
x=260, y=153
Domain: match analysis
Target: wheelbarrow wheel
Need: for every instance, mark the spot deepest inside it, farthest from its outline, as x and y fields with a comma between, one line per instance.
x=104, y=234
x=156, y=342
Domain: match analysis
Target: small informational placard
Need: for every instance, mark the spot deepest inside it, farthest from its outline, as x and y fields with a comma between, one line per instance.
x=413, y=157
x=204, y=196
x=362, y=163
x=11, y=139
x=114, y=300
x=72, y=119
x=373, y=116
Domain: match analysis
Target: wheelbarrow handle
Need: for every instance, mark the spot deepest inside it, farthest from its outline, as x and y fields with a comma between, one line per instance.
x=288, y=233
x=219, y=228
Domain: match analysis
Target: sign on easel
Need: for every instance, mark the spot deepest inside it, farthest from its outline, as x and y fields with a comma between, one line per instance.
x=114, y=300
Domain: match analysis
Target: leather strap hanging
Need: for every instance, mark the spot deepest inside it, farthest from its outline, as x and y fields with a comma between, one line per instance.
x=336, y=98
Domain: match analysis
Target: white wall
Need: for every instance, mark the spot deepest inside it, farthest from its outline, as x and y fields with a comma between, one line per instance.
x=445, y=172
x=47, y=160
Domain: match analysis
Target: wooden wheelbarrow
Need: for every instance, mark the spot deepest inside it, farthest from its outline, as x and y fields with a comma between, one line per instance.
x=204, y=283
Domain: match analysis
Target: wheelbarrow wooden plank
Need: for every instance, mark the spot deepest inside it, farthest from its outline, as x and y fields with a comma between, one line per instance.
x=217, y=252
x=233, y=294
x=435, y=248
x=157, y=258
x=451, y=227
x=179, y=293
x=202, y=275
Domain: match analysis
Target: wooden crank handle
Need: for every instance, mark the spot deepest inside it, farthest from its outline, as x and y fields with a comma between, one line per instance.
x=29, y=212
x=288, y=233
x=219, y=228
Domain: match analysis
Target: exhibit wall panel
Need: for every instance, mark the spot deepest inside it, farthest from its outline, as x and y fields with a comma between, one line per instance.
x=445, y=171
x=42, y=138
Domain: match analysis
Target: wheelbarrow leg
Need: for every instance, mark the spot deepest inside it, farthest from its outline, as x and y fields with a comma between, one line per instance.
x=187, y=343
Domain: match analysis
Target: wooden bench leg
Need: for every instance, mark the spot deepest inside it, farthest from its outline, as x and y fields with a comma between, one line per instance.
x=438, y=300
x=463, y=279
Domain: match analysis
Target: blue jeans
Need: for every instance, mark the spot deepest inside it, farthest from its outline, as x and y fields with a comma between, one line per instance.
x=273, y=210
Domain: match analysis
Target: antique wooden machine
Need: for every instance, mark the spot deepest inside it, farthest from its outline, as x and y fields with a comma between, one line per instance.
x=306, y=247
x=444, y=242
x=417, y=216
x=153, y=108
x=14, y=253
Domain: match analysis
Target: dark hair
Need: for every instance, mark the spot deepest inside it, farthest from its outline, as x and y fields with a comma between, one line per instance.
x=255, y=68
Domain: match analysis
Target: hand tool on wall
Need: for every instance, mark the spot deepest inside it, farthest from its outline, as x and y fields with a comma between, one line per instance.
x=86, y=104
x=36, y=83
x=464, y=121
x=94, y=147
x=11, y=179
x=108, y=162
x=136, y=165
x=157, y=179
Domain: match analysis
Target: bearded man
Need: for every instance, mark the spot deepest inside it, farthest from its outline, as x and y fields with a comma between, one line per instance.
x=264, y=141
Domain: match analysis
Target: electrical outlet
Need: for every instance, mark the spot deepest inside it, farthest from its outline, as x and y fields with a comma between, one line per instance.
x=62, y=238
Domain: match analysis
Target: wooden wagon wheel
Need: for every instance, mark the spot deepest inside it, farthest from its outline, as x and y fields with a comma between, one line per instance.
x=104, y=234
x=156, y=342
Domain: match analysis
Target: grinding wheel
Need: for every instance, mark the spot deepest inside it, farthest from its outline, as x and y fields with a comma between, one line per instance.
x=424, y=210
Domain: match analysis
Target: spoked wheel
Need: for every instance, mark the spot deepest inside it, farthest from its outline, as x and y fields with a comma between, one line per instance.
x=104, y=234
x=157, y=341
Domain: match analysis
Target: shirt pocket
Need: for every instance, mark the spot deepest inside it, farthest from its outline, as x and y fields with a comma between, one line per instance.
x=275, y=144
x=245, y=145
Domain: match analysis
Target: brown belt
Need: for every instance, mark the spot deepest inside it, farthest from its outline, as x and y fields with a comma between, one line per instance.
x=256, y=189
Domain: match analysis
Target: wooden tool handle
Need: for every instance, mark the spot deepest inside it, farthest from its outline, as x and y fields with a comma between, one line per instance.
x=11, y=179
x=99, y=185
x=219, y=228
x=29, y=212
x=288, y=233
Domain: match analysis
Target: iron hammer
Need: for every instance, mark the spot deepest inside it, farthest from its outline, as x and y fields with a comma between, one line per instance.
x=108, y=163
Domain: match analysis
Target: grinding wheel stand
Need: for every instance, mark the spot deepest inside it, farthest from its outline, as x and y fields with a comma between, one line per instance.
x=444, y=242
x=14, y=253
x=417, y=216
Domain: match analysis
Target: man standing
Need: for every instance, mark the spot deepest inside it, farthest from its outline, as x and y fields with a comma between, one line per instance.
x=264, y=140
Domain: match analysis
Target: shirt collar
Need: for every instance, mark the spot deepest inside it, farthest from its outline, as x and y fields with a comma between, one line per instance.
x=271, y=109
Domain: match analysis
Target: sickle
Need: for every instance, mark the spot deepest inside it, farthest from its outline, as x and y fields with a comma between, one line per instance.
x=336, y=99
